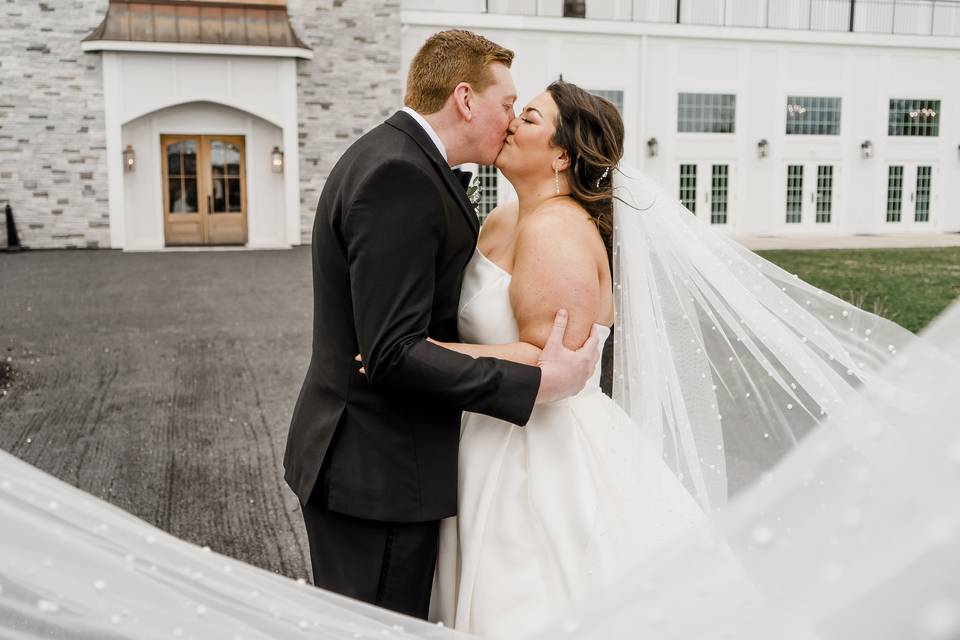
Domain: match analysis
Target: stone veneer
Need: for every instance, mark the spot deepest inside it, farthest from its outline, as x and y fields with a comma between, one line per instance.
x=352, y=84
x=52, y=146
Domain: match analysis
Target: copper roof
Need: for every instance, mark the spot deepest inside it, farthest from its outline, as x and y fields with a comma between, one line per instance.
x=237, y=22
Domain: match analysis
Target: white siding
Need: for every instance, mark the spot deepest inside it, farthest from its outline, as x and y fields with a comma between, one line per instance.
x=654, y=65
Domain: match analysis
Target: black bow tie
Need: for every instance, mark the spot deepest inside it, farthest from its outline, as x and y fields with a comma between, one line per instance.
x=463, y=177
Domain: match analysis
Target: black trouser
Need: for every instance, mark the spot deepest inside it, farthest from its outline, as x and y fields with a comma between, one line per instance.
x=389, y=564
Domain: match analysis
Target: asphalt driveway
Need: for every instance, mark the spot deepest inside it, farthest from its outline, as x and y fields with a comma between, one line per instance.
x=163, y=383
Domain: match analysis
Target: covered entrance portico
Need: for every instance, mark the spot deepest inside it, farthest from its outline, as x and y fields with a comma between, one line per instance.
x=201, y=123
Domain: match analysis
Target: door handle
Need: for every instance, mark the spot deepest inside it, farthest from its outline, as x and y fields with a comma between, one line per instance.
x=911, y=196
x=209, y=203
x=813, y=197
x=706, y=197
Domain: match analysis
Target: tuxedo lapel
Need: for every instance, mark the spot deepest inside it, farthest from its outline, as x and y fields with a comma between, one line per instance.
x=405, y=123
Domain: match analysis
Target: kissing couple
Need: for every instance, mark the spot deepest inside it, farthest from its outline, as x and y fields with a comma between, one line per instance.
x=465, y=466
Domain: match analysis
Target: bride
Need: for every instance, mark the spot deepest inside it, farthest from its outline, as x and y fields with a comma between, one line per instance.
x=549, y=511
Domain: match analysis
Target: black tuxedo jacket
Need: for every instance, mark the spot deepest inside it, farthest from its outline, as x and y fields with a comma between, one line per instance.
x=392, y=235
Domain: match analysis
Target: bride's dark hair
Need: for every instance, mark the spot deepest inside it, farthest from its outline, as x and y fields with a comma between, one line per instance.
x=590, y=130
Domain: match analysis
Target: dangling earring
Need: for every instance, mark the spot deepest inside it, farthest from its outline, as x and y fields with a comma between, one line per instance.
x=556, y=177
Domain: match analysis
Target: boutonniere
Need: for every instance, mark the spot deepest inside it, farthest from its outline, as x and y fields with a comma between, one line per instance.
x=474, y=193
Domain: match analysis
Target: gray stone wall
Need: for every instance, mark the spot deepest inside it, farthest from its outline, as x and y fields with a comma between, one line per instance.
x=52, y=146
x=351, y=85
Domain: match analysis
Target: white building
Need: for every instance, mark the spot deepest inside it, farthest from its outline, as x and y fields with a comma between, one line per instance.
x=767, y=117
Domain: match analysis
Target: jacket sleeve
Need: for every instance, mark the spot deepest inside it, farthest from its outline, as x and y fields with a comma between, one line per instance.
x=392, y=231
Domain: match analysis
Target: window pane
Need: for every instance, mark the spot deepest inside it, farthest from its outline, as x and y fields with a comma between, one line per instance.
x=813, y=116
x=232, y=156
x=824, y=193
x=175, y=193
x=219, y=196
x=488, y=190
x=794, y=193
x=923, y=194
x=183, y=195
x=233, y=195
x=914, y=117
x=706, y=112
x=616, y=97
x=894, y=193
x=718, y=188
x=688, y=186
x=190, y=158
x=173, y=159
x=190, y=194
x=217, y=157
x=574, y=8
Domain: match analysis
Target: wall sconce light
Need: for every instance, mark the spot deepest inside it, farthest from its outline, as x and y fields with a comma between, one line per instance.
x=129, y=160
x=866, y=150
x=763, y=148
x=276, y=160
x=653, y=147
x=958, y=149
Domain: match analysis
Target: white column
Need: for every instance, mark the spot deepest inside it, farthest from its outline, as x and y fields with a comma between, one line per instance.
x=291, y=152
x=113, y=130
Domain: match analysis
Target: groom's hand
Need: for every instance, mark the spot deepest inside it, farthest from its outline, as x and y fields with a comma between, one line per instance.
x=564, y=373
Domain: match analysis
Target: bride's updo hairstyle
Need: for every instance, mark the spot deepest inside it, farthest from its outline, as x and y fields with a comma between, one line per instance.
x=590, y=130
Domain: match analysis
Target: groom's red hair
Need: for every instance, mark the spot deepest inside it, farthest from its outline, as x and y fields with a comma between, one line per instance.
x=445, y=60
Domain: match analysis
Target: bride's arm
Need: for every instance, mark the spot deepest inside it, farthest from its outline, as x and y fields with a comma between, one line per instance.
x=555, y=267
x=500, y=219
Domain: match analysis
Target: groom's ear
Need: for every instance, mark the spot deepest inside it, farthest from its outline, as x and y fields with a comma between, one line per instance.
x=463, y=98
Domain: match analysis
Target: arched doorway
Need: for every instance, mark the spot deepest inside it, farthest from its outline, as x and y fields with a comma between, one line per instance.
x=204, y=176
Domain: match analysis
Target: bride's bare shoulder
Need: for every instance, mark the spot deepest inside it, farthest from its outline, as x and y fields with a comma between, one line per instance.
x=499, y=223
x=564, y=222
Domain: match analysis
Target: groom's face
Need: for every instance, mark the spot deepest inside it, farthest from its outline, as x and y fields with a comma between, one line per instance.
x=493, y=111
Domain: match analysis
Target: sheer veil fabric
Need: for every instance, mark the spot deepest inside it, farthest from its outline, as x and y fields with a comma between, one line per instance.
x=730, y=358
x=824, y=441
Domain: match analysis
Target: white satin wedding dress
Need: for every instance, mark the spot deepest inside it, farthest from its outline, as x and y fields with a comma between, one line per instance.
x=548, y=512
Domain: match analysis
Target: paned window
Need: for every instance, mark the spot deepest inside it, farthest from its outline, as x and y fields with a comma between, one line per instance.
x=706, y=112
x=922, y=213
x=824, y=193
x=688, y=186
x=616, y=97
x=488, y=190
x=719, y=188
x=909, y=117
x=894, y=193
x=813, y=116
x=794, y=193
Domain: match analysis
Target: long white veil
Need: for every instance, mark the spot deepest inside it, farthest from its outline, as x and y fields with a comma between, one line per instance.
x=844, y=461
x=732, y=359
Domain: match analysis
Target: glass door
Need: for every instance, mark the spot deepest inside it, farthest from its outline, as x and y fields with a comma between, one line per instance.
x=705, y=189
x=205, y=194
x=810, y=196
x=909, y=194
x=183, y=219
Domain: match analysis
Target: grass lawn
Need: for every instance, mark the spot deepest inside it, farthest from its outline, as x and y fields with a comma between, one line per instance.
x=908, y=286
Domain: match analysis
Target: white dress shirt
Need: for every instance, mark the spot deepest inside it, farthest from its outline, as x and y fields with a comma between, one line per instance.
x=430, y=132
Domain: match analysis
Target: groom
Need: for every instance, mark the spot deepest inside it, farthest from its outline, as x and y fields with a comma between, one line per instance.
x=373, y=458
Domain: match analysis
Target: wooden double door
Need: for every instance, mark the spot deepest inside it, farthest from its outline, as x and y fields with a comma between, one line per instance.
x=204, y=189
